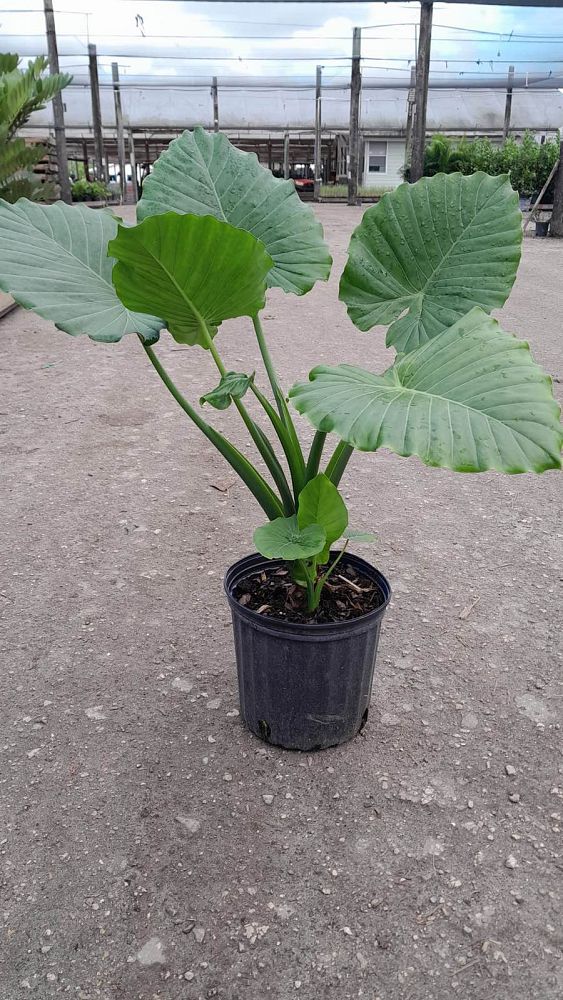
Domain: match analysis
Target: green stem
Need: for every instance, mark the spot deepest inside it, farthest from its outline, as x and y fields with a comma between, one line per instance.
x=321, y=582
x=269, y=366
x=257, y=485
x=297, y=462
x=294, y=464
x=315, y=455
x=260, y=440
x=270, y=459
x=337, y=464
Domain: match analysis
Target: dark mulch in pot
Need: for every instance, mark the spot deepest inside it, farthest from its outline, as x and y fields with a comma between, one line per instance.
x=272, y=593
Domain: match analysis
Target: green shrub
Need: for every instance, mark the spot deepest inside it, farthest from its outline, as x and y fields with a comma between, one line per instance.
x=528, y=163
x=84, y=190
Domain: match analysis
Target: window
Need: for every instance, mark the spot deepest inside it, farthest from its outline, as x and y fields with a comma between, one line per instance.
x=377, y=158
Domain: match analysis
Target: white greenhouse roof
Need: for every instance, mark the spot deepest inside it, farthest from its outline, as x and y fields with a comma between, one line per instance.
x=164, y=107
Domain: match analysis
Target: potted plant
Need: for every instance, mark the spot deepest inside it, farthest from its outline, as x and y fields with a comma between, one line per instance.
x=429, y=261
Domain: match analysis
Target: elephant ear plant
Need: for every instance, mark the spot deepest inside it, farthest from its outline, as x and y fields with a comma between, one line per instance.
x=215, y=231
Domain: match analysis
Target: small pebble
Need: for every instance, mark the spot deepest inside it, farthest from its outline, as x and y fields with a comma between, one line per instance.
x=510, y=770
x=514, y=797
x=227, y=777
x=511, y=862
x=268, y=799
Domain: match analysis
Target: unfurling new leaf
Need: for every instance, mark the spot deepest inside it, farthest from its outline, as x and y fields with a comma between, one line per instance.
x=233, y=385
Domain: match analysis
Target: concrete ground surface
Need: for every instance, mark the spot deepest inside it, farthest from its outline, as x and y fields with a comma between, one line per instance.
x=150, y=846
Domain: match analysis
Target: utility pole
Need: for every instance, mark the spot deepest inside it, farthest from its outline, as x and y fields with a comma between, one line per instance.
x=410, y=115
x=354, y=132
x=421, y=91
x=96, y=114
x=58, y=107
x=215, y=96
x=557, y=215
x=119, y=129
x=508, y=105
x=133, y=162
x=286, y=155
x=318, y=135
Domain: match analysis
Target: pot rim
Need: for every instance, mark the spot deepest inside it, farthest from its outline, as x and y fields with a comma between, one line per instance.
x=248, y=564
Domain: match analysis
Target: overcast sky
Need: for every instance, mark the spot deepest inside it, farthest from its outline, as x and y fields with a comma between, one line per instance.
x=286, y=40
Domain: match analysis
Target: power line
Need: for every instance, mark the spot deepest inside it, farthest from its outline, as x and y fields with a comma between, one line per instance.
x=520, y=40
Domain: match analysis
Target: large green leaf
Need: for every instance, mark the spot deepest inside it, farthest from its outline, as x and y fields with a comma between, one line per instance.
x=428, y=252
x=204, y=174
x=471, y=399
x=194, y=270
x=321, y=503
x=284, y=539
x=53, y=259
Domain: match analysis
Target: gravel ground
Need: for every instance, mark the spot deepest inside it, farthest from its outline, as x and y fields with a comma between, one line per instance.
x=151, y=848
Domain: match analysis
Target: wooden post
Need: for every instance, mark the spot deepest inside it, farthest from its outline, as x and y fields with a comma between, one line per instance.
x=318, y=135
x=58, y=108
x=120, y=133
x=96, y=114
x=85, y=159
x=508, y=105
x=286, y=155
x=215, y=96
x=133, y=162
x=557, y=214
x=421, y=91
x=354, y=132
x=410, y=115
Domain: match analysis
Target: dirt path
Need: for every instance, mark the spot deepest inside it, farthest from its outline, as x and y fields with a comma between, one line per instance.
x=140, y=859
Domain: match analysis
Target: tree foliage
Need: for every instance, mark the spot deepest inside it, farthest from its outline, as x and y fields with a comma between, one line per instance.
x=21, y=93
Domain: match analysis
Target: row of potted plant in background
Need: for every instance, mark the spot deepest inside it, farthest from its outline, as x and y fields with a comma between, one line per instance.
x=429, y=262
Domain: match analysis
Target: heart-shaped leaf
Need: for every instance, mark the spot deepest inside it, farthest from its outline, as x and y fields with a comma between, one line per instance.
x=203, y=174
x=194, y=270
x=53, y=259
x=284, y=539
x=471, y=399
x=233, y=385
x=321, y=503
x=428, y=252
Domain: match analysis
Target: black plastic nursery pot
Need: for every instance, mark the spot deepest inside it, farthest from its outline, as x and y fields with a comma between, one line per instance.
x=542, y=228
x=304, y=687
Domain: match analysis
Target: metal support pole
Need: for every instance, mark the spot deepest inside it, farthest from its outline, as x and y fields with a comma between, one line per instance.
x=410, y=115
x=354, y=133
x=215, y=96
x=421, y=91
x=119, y=128
x=318, y=134
x=557, y=215
x=96, y=113
x=133, y=162
x=286, y=155
x=58, y=107
x=508, y=105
